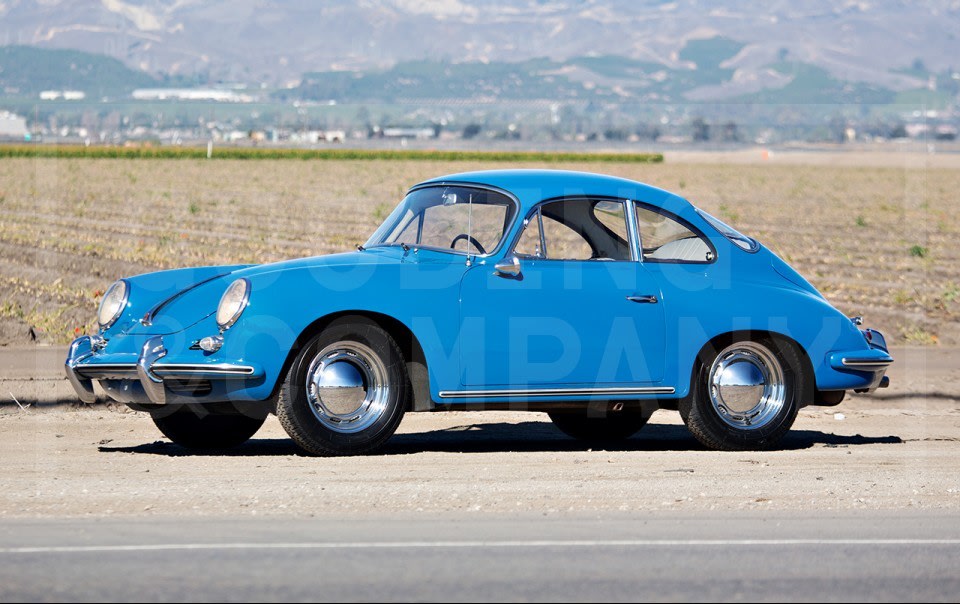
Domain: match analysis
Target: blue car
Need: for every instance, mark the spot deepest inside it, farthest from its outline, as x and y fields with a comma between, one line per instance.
x=593, y=298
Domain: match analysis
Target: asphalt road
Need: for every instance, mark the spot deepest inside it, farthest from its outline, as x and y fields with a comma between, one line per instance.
x=760, y=557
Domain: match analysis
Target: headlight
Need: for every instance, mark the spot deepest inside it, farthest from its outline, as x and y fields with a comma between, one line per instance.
x=113, y=303
x=232, y=303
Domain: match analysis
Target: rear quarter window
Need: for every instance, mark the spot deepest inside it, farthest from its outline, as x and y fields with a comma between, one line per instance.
x=665, y=239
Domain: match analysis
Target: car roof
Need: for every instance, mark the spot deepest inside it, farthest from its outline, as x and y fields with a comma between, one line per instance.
x=533, y=186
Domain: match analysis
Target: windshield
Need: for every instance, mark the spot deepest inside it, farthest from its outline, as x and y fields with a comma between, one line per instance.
x=455, y=218
x=748, y=244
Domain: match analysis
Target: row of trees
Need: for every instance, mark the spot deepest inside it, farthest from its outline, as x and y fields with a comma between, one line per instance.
x=700, y=131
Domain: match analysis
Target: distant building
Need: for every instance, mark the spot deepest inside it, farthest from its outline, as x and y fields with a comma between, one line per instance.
x=942, y=132
x=417, y=133
x=12, y=126
x=67, y=95
x=319, y=136
x=945, y=132
x=191, y=94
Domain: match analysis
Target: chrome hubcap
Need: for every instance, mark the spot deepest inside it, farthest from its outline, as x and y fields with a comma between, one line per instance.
x=347, y=387
x=747, y=389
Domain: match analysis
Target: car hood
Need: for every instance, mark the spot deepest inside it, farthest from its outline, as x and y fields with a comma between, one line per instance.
x=370, y=257
x=182, y=302
x=197, y=301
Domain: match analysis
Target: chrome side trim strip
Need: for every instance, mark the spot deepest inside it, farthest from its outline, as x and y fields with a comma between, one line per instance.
x=224, y=369
x=866, y=363
x=552, y=392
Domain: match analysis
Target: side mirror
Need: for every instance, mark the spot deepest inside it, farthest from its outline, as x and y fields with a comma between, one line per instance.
x=508, y=267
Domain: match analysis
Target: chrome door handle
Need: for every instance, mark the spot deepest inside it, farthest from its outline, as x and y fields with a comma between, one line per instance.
x=648, y=299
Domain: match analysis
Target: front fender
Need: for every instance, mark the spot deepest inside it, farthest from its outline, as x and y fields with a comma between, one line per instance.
x=284, y=304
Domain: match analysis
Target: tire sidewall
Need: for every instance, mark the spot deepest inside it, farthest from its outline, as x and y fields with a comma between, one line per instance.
x=294, y=407
x=702, y=415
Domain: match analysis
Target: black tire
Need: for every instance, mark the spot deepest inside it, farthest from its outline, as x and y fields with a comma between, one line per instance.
x=705, y=419
x=196, y=428
x=610, y=427
x=303, y=413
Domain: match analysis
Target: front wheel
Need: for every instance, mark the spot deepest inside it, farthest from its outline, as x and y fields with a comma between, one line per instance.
x=346, y=391
x=746, y=396
x=197, y=428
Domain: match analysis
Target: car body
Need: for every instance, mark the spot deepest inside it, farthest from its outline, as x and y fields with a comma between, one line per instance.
x=592, y=297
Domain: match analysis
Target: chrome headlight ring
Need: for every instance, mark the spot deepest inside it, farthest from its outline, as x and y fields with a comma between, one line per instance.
x=232, y=304
x=113, y=304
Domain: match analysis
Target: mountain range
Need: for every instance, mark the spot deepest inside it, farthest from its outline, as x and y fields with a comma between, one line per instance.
x=893, y=45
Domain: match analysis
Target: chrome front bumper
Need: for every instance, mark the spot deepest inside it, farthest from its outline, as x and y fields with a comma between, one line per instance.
x=122, y=381
x=80, y=350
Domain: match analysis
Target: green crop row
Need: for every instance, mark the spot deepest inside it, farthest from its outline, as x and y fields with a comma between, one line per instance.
x=110, y=152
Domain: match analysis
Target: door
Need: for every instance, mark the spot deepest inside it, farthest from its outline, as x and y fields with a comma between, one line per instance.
x=582, y=312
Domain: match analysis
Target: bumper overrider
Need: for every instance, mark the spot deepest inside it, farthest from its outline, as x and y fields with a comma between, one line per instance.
x=146, y=378
x=871, y=363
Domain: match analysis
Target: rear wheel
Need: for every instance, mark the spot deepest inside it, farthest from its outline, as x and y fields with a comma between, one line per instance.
x=745, y=396
x=346, y=392
x=610, y=427
x=197, y=428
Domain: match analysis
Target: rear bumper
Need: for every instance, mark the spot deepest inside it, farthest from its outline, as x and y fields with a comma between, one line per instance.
x=870, y=363
x=151, y=377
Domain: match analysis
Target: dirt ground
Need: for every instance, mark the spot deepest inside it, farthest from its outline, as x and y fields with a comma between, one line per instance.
x=897, y=449
x=874, y=231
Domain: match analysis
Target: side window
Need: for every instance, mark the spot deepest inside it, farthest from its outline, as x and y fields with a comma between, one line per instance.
x=577, y=229
x=664, y=239
x=563, y=242
x=529, y=244
x=610, y=215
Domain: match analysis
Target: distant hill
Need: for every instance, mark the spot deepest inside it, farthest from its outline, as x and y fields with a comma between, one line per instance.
x=872, y=44
x=702, y=74
x=596, y=78
x=26, y=71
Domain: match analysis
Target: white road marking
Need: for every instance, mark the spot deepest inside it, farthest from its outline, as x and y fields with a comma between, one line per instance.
x=82, y=549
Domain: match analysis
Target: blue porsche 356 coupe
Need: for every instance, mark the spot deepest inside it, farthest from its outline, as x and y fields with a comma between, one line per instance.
x=595, y=299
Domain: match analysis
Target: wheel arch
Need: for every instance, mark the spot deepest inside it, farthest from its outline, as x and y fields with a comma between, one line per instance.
x=721, y=341
x=414, y=357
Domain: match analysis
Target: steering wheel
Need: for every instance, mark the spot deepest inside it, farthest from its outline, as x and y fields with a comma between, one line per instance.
x=471, y=239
